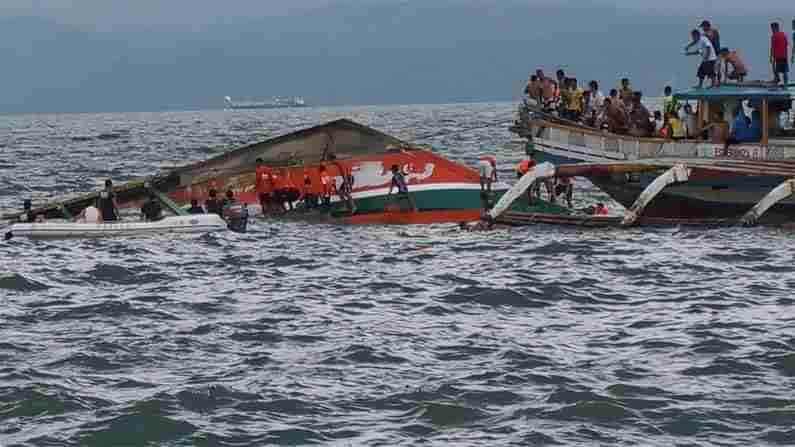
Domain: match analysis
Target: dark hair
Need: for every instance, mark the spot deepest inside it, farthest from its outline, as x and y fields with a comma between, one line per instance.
x=194, y=202
x=774, y=26
x=668, y=88
x=259, y=160
x=27, y=204
x=213, y=192
x=533, y=78
x=561, y=73
x=695, y=32
x=394, y=167
x=613, y=92
x=625, y=80
x=108, y=183
x=706, y=24
x=657, y=113
x=230, y=194
x=594, y=84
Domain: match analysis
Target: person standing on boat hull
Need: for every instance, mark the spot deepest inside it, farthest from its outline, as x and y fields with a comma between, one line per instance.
x=107, y=203
x=27, y=215
x=328, y=187
x=399, y=183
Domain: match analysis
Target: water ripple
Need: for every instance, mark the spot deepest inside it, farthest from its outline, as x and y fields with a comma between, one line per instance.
x=300, y=334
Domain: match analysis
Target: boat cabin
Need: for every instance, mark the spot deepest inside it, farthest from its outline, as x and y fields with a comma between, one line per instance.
x=767, y=107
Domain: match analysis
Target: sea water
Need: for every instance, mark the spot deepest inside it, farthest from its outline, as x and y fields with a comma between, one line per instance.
x=297, y=334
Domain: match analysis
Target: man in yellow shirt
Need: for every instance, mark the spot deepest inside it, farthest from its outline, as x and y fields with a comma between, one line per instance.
x=574, y=100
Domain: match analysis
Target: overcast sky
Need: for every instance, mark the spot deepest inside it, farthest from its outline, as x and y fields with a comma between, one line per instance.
x=108, y=14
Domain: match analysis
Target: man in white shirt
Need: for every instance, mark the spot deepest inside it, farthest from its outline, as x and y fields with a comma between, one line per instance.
x=708, y=57
x=90, y=214
x=597, y=102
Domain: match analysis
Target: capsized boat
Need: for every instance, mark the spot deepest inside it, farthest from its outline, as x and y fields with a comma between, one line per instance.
x=201, y=223
x=724, y=181
x=442, y=190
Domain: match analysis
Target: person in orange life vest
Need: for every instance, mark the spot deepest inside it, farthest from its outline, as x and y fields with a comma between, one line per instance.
x=328, y=187
x=290, y=191
x=308, y=194
x=265, y=186
x=277, y=182
x=524, y=167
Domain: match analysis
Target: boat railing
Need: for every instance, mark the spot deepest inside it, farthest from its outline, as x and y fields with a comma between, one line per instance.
x=595, y=144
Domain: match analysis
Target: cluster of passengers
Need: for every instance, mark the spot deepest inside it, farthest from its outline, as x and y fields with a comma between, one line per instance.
x=623, y=111
x=280, y=191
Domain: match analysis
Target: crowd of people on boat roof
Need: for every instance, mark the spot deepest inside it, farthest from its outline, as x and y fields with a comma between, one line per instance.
x=622, y=111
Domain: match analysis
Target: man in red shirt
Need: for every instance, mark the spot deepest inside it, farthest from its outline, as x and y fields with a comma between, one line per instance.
x=779, y=54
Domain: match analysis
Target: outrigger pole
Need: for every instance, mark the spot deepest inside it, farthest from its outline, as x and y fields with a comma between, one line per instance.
x=778, y=194
x=677, y=174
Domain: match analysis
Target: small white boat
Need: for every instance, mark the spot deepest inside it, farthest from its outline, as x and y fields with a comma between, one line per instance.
x=197, y=223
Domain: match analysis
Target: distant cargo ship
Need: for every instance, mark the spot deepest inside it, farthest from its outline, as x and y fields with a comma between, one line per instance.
x=275, y=103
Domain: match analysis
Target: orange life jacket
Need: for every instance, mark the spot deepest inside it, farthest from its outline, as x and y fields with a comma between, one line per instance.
x=264, y=180
x=326, y=184
x=524, y=167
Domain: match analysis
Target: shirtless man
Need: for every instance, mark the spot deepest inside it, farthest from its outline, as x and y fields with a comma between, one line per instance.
x=626, y=92
x=547, y=88
x=739, y=70
x=616, y=116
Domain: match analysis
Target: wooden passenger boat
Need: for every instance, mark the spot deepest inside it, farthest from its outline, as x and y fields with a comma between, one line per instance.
x=723, y=183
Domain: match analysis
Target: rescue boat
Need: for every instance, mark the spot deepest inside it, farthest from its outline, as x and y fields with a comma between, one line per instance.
x=202, y=223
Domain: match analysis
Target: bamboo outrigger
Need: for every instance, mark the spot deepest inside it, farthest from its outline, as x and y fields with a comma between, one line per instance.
x=672, y=171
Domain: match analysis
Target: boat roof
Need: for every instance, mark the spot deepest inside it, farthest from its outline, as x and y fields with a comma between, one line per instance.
x=749, y=90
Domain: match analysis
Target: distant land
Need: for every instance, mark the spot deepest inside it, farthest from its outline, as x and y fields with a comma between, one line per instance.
x=361, y=53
